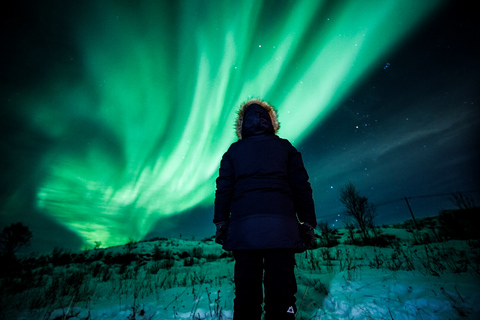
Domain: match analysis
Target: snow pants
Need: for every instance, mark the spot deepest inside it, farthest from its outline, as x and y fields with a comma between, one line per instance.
x=276, y=268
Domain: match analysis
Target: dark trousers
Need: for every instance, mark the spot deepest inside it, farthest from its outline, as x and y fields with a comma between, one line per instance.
x=276, y=268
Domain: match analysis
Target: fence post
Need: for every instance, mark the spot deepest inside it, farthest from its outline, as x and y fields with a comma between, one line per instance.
x=411, y=212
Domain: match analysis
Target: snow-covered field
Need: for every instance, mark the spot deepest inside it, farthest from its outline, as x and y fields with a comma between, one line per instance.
x=186, y=279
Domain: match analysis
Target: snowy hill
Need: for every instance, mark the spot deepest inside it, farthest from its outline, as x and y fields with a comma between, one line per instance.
x=186, y=279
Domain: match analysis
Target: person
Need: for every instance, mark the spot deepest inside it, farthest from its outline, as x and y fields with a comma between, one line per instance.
x=263, y=201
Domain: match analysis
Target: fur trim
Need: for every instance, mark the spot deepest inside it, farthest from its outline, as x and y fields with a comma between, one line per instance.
x=271, y=111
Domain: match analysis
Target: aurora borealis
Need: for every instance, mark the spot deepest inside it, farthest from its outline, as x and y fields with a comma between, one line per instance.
x=125, y=108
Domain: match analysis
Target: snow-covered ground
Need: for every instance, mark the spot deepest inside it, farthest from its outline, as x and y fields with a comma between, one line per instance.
x=186, y=279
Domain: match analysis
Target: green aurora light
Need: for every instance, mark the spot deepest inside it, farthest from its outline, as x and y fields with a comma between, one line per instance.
x=141, y=132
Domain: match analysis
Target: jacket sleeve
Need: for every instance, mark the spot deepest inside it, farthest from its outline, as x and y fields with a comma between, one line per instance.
x=225, y=189
x=302, y=191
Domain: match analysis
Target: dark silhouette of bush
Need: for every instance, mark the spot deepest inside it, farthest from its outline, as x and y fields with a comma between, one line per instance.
x=461, y=224
x=158, y=254
x=462, y=201
x=190, y=261
x=350, y=227
x=60, y=257
x=79, y=258
x=197, y=252
x=119, y=258
x=329, y=236
x=381, y=240
x=13, y=238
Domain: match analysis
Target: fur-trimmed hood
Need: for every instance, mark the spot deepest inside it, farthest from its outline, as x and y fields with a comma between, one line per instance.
x=260, y=118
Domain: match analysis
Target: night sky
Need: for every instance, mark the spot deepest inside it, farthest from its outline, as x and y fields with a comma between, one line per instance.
x=115, y=114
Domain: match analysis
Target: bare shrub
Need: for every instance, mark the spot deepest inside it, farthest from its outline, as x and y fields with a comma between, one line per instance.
x=460, y=224
x=358, y=208
x=462, y=201
x=328, y=235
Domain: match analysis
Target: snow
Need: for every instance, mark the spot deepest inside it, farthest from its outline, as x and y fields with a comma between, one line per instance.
x=437, y=280
x=398, y=295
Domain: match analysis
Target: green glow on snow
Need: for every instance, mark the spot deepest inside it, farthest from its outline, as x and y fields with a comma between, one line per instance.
x=141, y=133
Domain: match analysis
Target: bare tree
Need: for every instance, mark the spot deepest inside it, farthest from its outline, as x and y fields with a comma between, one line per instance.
x=358, y=208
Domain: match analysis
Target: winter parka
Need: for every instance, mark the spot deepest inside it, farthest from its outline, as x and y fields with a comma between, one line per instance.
x=262, y=188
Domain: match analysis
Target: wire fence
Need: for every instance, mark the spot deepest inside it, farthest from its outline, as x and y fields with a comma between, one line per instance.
x=410, y=207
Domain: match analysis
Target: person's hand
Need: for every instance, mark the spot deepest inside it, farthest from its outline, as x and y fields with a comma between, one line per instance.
x=221, y=234
x=308, y=234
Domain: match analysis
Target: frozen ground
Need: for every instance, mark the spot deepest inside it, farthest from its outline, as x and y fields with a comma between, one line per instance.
x=186, y=279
